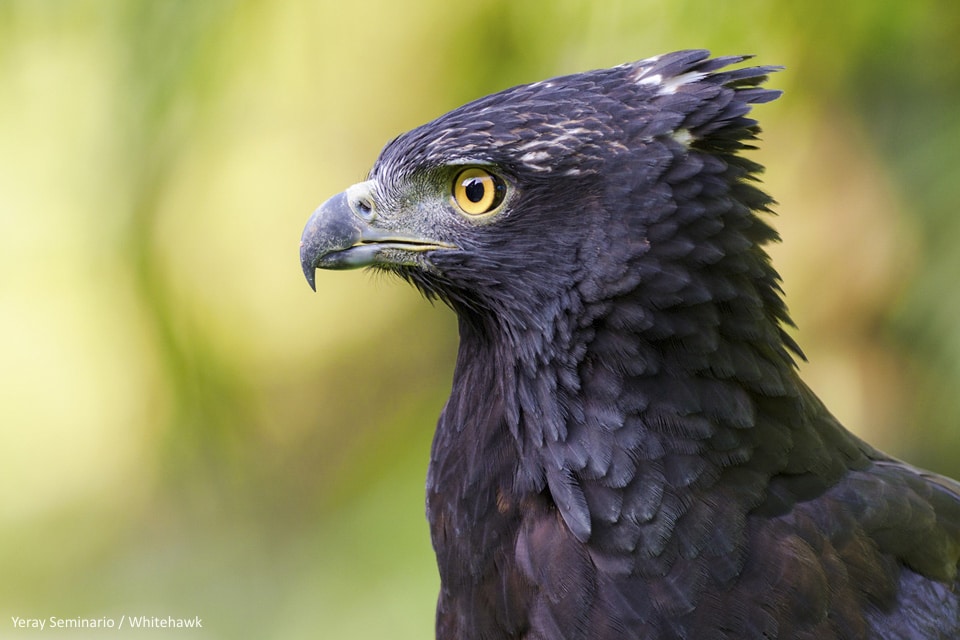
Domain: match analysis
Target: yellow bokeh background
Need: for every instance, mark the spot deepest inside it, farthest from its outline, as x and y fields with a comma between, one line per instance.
x=187, y=430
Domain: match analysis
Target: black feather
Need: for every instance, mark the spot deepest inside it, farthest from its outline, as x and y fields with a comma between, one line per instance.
x=628, y=451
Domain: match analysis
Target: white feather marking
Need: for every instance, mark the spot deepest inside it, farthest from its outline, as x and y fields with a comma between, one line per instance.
x=670, y=85
x=654, y=79
x=535, y=158
x=683, y=136
x=533, y=144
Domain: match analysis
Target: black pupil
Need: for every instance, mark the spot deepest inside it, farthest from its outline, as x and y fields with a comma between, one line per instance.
x=474, y=189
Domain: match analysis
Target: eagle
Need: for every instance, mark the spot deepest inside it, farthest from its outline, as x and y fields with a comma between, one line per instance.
x=628, y=451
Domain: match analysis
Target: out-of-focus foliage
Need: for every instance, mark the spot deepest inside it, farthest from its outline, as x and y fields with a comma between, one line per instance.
x=185, y=429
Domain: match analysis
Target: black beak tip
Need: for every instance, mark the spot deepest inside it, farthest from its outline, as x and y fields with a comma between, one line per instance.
x=328, y=235
x=309, y=268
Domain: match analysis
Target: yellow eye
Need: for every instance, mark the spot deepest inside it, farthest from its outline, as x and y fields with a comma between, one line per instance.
x=477, y=191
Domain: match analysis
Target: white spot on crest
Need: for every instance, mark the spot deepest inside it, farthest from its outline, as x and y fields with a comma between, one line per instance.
x=683, y=136
x=654, y=79
x=670, y=85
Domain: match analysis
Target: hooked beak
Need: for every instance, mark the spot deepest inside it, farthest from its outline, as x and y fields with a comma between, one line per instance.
x=341, y=234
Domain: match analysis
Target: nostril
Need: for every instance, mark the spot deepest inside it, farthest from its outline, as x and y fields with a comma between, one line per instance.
x=364, y=209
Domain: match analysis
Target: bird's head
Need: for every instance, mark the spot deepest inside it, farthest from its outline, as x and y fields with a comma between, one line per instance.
x=562, y=194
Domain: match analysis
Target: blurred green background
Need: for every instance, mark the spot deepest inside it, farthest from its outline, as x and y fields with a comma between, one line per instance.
x=186, y=430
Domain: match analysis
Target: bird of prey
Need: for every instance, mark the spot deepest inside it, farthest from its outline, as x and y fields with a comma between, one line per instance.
x=628, y=450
